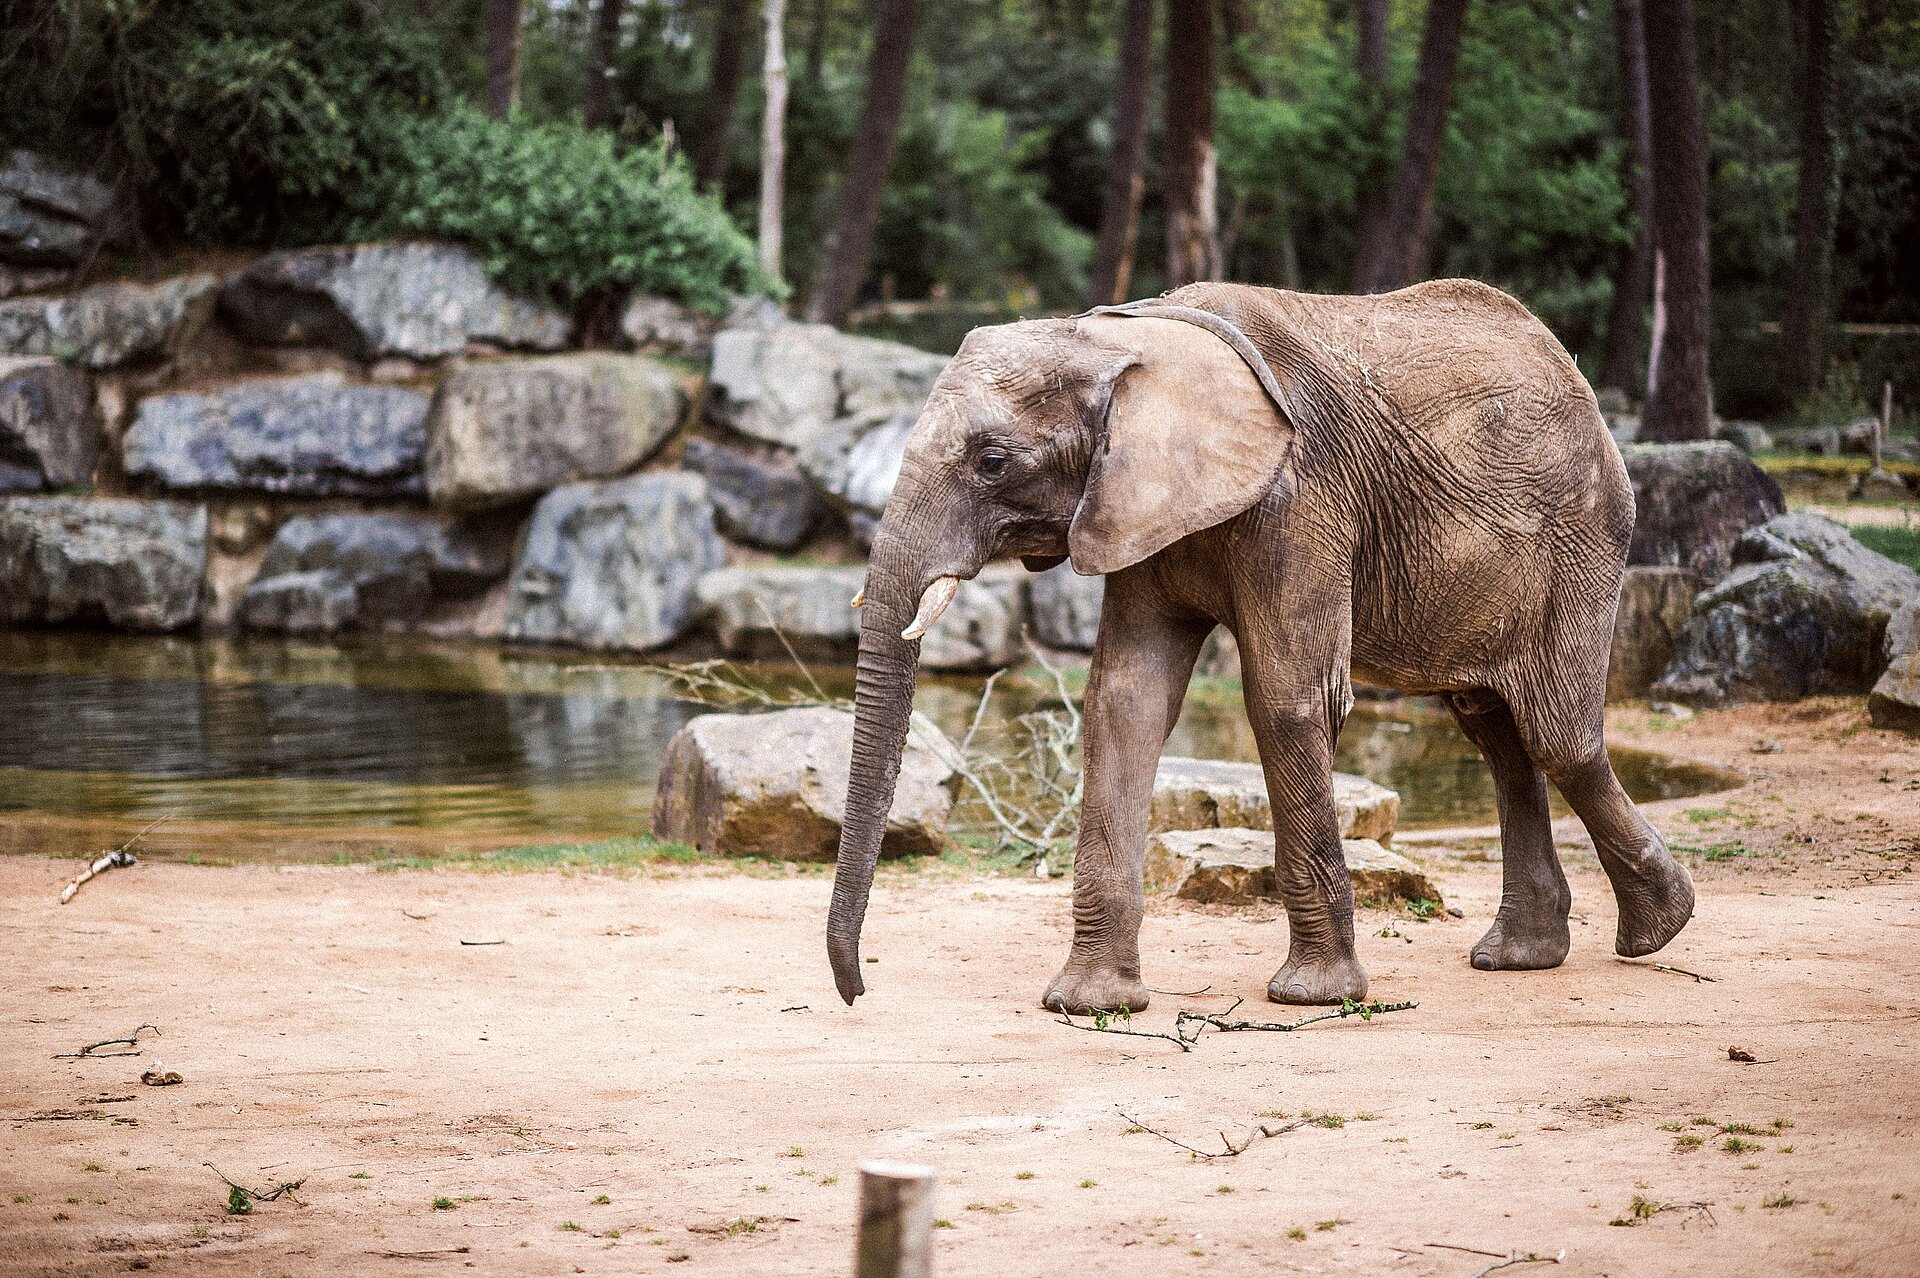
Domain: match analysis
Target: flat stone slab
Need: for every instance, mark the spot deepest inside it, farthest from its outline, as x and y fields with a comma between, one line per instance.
x=775, y=785
x=1197, y=794
x=1235, y=867
x=136, y=565
x=111, y=324
x=47, y=437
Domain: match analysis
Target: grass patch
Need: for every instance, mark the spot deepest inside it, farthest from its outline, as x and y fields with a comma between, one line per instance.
x=1902, y=545
x=1779, y=1201
x=636, y=852
x=1297, y=1233
x=1735, y=1145
x=1688, y=1141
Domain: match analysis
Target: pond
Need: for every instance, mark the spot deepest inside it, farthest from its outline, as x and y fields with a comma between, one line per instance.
x=287, y=750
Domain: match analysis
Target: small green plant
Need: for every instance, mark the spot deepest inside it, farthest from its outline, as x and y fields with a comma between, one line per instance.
x=1639, y=1211
x=1330, y=1121
x=613, y=1233
x=1328, y=1226
x=1701, y=1120
x=570, y=1227
x=829, y=1180
x=1088, y=1184
x=743, y=1225
x=1297, y=1233
x=1780, y=1200
x=443, y=1203
x=1740, y=1129
x=1675, y=1126
x=1781, y=1124
x=239, y=1202
x=794, y=1151
x=93, y=1167
x=600, y=1200
x=1688, y=1141
x=1023, y=1175
x=1786, y=1149
x=1734, y=1145
x=360, y=1175
x=1223, y=1189
x=1424, y=908
x=941, y=1222
x=23, y=1198
x=61, y=1215
x=1481, y=1127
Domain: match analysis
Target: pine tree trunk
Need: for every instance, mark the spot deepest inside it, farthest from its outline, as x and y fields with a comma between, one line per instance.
x=1371, y=182
x=843, y=263
x=503, y=57
x=1120, y=210
x=1632, y=286
x=1192, y=196
x=773, y=140
x=1804, y=332
x=723, y=87
x=598, y=104
x=1679, y=405
x=1403, y=242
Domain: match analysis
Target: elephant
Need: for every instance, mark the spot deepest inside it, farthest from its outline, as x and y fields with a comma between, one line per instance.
x=1413, y=488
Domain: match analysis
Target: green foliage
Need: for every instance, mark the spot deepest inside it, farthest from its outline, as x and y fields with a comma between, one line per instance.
x=560, y=211
x=1901, y=545
x=239, y=1202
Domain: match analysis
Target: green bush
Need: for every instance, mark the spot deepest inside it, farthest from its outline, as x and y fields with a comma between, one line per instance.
x=558, y=211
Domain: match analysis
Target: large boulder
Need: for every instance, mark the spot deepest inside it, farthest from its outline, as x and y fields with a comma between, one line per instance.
x=110, y=324
x=1803, y=614
x=47, y=437
x=1202, y=794
x=51, y=216
x=138, y=565
x=1692, y=502
x=759, y=499
x=775, y=785
x=505, y=430
x=664, y=326
x=753, y=608
x=1895, y=699
x=786, y=383
x=1066, y=608
x=1235, y=867
x=314, y=436
x=1655, y=604
x=330, y=572
x=856, y=462
x=614, y=564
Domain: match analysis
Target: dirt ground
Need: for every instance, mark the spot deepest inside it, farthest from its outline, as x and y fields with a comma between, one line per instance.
x=652, y=1073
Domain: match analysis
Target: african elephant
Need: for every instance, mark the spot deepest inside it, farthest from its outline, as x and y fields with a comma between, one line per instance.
x=1414, y=488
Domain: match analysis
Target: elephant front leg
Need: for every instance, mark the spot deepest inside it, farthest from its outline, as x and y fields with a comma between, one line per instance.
x=1141, y=665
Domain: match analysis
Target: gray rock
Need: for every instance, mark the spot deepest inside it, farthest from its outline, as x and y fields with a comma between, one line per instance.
x=1693, y=500
x=752, y=607
x=613, y=564
x=1235, y=867
x=423, y=301
x=1624, y=427
x=313, y=436
x=1877, y=484
x=1803, y=615
x=504, y=430
x=1748, y=437
x=1856, y=436
x=786, y=383
x=1895, y=699
x=1066, y=608
x=856, y=463
x=662, y=325
x=1655, y=604
x=33, y=279
x=47, y=437
x=765, y=501
x=1200, y=794
x=110, y=324
x=775, y=785
x=52, y=216
x=327, y=572
x=138, y=565
x=1823, y=441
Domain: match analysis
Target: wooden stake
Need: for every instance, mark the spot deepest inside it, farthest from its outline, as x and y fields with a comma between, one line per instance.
x=896, y=1220
x=1885, y=428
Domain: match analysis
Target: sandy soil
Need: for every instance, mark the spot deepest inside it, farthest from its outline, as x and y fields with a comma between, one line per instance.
x=660, y=1060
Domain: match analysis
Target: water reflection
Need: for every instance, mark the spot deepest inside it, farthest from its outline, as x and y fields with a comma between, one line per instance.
x=300, y=744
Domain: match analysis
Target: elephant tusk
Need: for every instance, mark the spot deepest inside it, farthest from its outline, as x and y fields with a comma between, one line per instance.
x=860, y=597
x=933, y=602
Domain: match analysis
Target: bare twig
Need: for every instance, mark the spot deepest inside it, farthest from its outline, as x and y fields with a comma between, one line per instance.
x=1102, y=1025
x=1477, y=1251
x=1531, y=1258
x=1365, y=1011
x=118, y=859
x=132, y=1040
x=286, y=1187
x=1228, y=1149
x=1677, y=971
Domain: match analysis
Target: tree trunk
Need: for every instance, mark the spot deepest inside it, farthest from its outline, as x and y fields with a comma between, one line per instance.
x=843, y=263
x=503, y=57
x=1804, y=332
x=1120, y=210
x=1371, y=182
x=723, y=87
x=1403, y=241
x=1192, y=196
x=773, y=140
x=1630, y=288
x=1680, y=404
x=598, y=106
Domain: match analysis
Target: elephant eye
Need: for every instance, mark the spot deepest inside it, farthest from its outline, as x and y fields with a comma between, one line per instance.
x=992, y=462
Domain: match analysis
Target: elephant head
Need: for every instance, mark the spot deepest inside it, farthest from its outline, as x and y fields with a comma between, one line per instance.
x=1103, y=438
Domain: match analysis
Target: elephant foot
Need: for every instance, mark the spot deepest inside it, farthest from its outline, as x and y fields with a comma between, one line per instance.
x=1083, y=991
x=1318, y=979
x=1656, y=900
x=1517, y=943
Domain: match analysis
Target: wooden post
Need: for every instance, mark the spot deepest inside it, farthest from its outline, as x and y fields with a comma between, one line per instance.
x=773, y=140
x=1885, y=426
x=896, y=1220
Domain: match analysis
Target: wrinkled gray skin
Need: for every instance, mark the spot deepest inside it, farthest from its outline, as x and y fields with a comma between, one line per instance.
x=1433, y=505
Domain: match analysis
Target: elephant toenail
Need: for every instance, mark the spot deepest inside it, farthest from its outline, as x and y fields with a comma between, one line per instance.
x=1057, y=1002
x=1483, y=960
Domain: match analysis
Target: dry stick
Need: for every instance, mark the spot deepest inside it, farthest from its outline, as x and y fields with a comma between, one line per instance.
x=286, y=1187
x=1478, y=1251
x=1365, y=1011
x=87, y=1053
x=120, y=858
x=1100, y=1027
x=1668, y=967
x=1229, y=1149
x=1529, y=1259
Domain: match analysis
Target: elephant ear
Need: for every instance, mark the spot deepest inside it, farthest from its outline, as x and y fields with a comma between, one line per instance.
x=1191, y=439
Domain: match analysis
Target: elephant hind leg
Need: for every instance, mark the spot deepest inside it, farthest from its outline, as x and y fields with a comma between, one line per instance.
x=1654, y=892
x=1530, y=930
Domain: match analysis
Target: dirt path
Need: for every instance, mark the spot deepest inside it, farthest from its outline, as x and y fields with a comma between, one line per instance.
x=672, y=1042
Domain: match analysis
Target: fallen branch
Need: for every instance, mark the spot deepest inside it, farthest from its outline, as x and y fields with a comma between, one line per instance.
x=1103, y=1024
x=1531, y=1258
x=240, y=1201
x=132, y=1040
x=1677, y=971
x=1477, y=1251
x=421, y=1255
x=1121, y=1022
x=1228, y=1148
x=118, y=859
